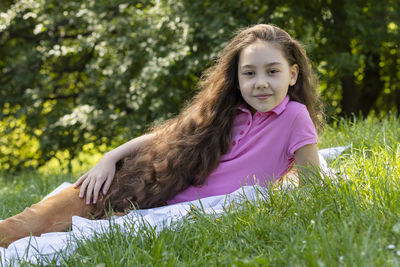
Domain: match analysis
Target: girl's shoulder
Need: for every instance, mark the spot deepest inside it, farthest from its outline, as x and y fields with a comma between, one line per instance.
x=296, y=114
x=294, y=108
x=299, y=118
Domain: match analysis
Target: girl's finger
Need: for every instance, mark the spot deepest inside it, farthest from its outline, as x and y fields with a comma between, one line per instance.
x=80, y=180
x=96, y=192
x=107, y=184
x=83, y=188
x=89, y=192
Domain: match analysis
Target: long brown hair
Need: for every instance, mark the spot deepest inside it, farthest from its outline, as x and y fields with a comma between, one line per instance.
x=187, y=148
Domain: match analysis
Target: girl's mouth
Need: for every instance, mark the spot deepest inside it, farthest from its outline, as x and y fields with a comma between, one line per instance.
x=262, y=97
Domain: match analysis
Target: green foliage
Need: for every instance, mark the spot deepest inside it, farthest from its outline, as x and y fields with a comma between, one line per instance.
x=93, y=72
x=75, y=73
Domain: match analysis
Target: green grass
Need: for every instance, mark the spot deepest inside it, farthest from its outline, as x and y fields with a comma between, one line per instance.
x=351, y=222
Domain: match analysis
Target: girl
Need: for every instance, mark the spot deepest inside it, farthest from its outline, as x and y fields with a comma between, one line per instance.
x=255, y=115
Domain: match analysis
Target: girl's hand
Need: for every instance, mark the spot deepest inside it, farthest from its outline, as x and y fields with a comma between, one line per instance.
x=101, y=175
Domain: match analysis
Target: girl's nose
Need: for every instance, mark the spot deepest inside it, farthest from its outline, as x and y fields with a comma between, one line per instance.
x=261, y=83
x=261, y=86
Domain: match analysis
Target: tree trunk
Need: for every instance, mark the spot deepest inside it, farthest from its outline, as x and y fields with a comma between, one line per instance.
x=340, y=39
x=372, y=84
x=350, y=96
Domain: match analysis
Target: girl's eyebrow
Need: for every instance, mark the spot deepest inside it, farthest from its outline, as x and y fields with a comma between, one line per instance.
x=266, y=65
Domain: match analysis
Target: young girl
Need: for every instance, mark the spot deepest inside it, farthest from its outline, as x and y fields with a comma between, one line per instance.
x=255, y=116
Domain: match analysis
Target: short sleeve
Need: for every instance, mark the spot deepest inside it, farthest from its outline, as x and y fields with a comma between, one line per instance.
x=302, y=132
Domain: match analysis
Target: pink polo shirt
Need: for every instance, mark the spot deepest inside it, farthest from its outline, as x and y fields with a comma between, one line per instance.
x=262, y=150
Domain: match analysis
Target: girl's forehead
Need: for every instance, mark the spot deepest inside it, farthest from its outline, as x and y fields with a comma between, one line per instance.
x=261, y=51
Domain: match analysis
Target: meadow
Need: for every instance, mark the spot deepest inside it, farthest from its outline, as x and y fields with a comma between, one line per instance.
x=351, y=220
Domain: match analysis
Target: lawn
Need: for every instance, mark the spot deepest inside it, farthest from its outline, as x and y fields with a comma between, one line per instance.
x=352, y=220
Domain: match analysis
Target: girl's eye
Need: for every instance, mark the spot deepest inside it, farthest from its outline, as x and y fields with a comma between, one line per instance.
x=248, y=73
x=273, y=71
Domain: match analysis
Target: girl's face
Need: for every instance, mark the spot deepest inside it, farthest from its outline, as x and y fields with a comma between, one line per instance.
x=264, y=75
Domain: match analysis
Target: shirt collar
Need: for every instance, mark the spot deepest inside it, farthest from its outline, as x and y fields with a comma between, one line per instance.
x=277, y=110
x=282, y=106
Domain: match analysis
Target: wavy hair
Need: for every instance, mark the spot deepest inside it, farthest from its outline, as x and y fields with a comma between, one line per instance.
x=187, y=148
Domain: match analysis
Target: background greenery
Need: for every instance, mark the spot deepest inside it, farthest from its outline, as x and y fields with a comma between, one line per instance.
x=79, y=77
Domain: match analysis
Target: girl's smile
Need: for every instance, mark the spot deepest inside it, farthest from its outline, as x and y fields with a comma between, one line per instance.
x=264, y=75
x=263, y=96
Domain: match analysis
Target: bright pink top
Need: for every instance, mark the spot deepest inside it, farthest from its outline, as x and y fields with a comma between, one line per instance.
x=262, y=150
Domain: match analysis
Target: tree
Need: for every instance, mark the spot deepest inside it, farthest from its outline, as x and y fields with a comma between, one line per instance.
x=356, y=48
x=77, y=73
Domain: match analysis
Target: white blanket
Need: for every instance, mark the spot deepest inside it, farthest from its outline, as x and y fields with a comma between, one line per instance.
x=37, y=249
x=48, y=246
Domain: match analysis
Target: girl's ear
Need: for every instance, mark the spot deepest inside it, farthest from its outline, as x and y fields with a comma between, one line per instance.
x=294, y=73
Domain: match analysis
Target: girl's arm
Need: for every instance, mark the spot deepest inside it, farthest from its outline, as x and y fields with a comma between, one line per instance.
x=103, y=172
x=307, y=157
